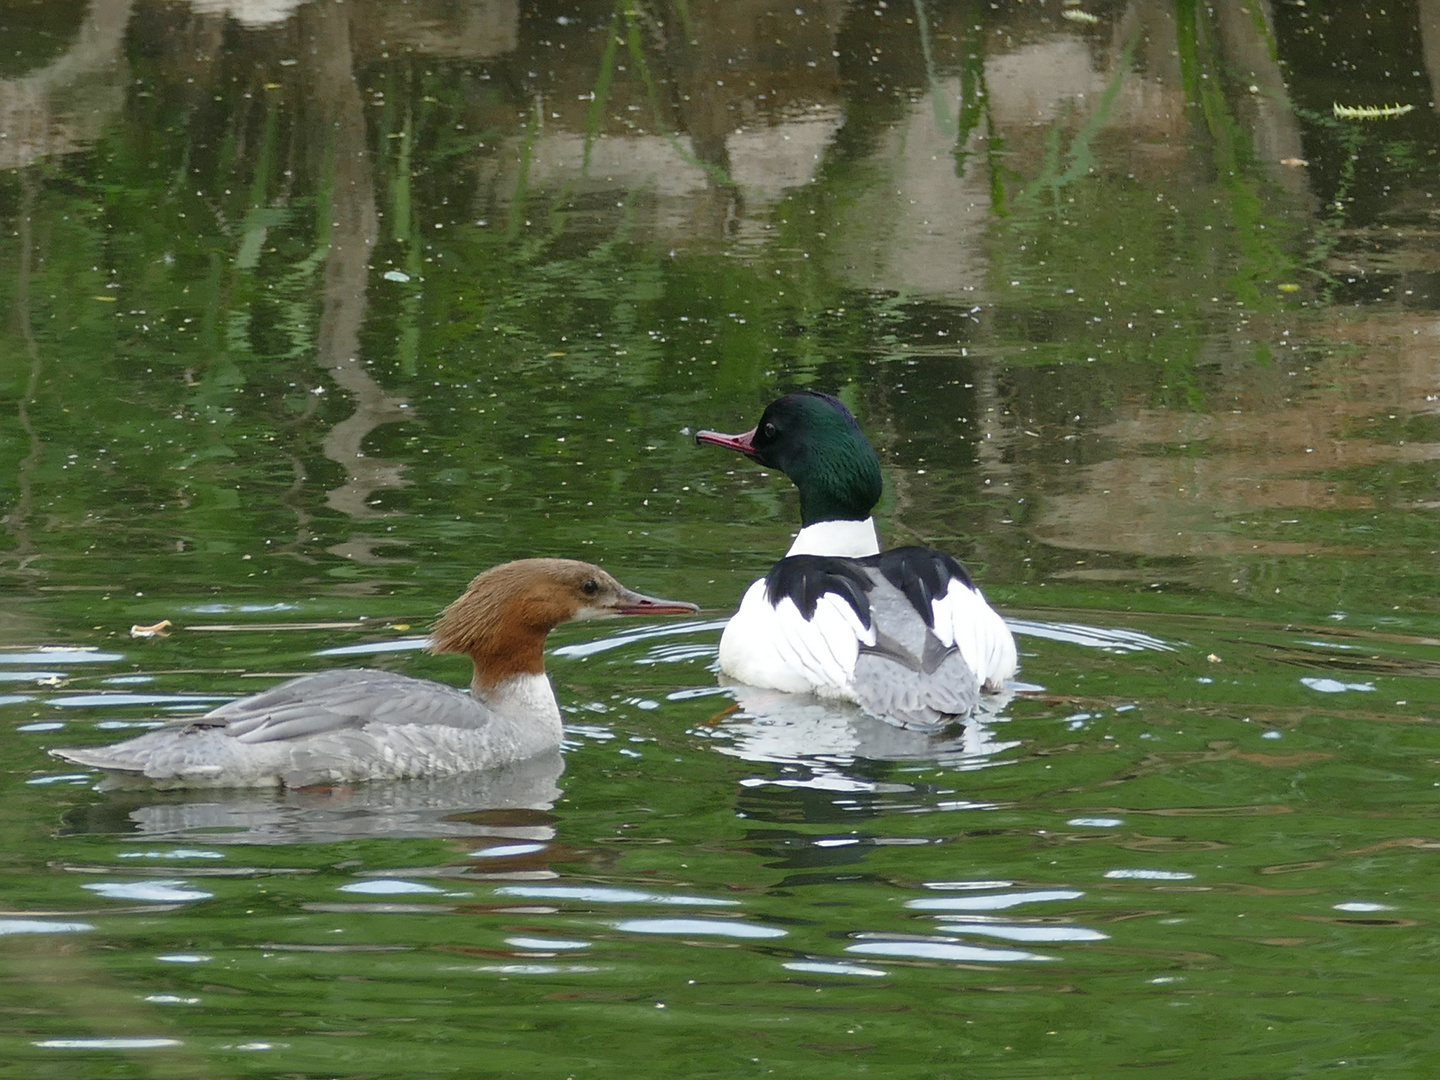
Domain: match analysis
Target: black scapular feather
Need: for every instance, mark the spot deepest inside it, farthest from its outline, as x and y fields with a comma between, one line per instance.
x=920, y=573
x=806, y=578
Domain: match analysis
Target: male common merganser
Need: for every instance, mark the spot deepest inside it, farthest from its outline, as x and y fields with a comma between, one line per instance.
x=903, y=633
x=343, y=726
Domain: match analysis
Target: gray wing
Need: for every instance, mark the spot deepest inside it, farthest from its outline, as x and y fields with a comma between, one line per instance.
x=909, y=676
x=335, y=700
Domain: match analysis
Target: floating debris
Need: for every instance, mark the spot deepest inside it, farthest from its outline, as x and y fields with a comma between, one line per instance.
x=159, y=629
x=1075, y=15
x=1294, y=162
x=1370, y=112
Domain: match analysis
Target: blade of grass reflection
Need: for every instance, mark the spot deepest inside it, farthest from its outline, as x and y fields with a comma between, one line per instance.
x=717, y=173
x=600, y=94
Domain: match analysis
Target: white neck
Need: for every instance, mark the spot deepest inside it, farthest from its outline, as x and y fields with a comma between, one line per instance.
x=847, y=539
x=528, y=714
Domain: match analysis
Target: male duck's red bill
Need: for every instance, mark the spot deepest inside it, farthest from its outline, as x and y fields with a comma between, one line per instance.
x=904, y=634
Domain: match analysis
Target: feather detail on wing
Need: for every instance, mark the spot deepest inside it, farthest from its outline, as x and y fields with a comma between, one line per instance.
x=337, y=725
x=805, y=579
x=336, y=700
x=922, y=574
x=777, y=646
x=962, y=618
x=925, y=692
x=340, y=727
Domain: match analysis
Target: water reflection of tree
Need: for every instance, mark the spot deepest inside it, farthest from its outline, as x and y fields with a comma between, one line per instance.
x=952, y=171
x=338, y=122
x=62, y=106
x=51, y=111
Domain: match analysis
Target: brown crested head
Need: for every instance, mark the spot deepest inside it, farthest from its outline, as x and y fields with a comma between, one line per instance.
x=503, y=617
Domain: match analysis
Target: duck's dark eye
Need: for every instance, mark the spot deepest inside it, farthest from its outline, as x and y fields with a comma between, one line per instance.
x=769, y=431
x=591, y=587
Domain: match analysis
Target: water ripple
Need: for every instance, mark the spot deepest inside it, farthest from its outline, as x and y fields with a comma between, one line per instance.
x=546, y=944
x=123, y=698
x=1335, y=686
x=164, y=892
x=941, y=950
x=40, y=926
x=371, y=648
x=1109, y=638
x=60, y=654
x=706, y=927
x=617, y=641
x=1010, y=932
x=597, y=894
x=821, y=968
x=388, y=887
x=992, y=902
x=1150, y=875
x=106, y=1044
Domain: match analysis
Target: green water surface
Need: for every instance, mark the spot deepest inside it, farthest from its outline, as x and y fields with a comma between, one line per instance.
x=313, y=312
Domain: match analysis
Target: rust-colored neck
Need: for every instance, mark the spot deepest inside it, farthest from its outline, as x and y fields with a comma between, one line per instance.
x=500, y=623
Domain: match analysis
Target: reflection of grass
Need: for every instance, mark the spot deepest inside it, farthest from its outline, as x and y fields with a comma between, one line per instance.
x=600, y=94
x=1363, y=172
x=1100, y=277
x=634, y=42
x=1079, y=156
x=1263, y=261
x=404, y=228
x=1117, y=270
x=973, y=108
x=627, y=27
x=561, y=322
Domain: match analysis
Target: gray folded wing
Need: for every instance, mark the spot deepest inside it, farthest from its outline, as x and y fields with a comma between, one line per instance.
x=335, y=700
x=909, y=677
x=332, y=727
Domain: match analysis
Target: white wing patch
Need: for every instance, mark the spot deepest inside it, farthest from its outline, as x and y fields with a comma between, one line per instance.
x=779, y=648
x=965, y=620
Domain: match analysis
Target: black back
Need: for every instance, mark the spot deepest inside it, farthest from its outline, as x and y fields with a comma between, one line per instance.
x=921, y=573
x=806, y=578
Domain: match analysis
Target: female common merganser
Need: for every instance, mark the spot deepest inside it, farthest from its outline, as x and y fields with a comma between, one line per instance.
x=348, y=725
x=903, y=633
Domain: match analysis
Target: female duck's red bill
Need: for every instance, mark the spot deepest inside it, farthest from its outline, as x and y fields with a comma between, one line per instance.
x=744, y=442
x=634, y=603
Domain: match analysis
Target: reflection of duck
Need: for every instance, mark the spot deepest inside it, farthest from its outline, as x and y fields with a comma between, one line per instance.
x=829, y=737
x=510, y=803
x=348, y=725
x=902, y=633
